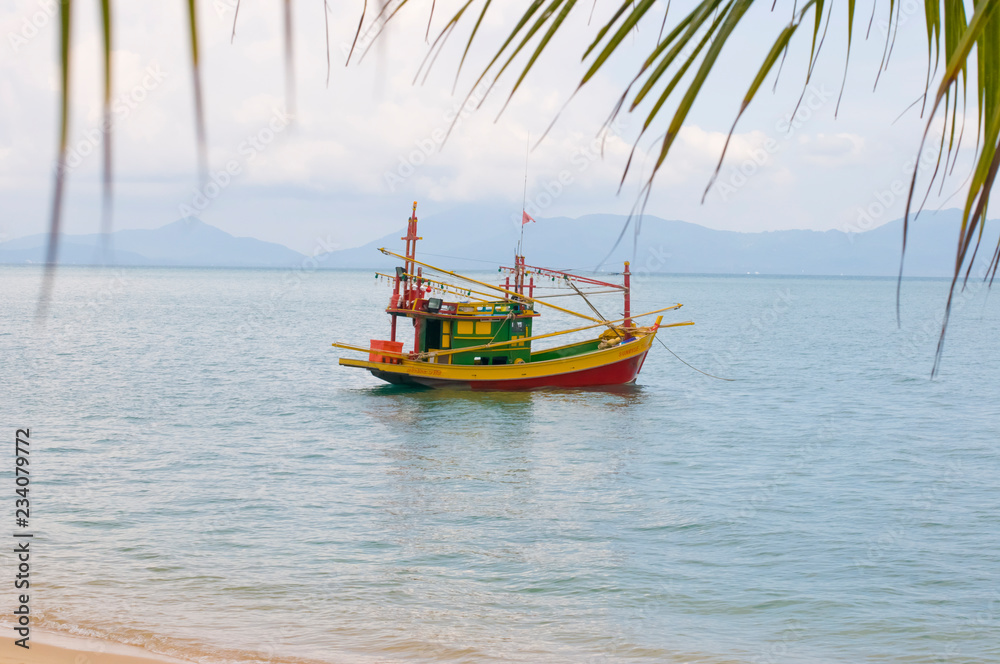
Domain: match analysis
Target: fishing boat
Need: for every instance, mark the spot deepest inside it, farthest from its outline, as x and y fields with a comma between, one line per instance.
x=482, y=339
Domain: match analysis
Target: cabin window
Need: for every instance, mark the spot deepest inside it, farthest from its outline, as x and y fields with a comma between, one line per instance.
x=500, y=359
x=432, y=334
x=483, y=327
x=465, y=327
x=517, y=327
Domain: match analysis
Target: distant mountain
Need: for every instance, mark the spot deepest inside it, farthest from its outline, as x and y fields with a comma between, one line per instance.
x=482, y=237
x=471, y=237
x=187, y=242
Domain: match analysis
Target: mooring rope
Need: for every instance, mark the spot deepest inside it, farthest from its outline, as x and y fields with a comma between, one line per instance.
x=695, y=368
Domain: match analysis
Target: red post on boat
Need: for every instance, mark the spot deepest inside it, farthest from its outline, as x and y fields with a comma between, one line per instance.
x=393, y=304
x=531, y=287
x=409, y=291
x=417, y=291
x=628, y=297
x=411, y=253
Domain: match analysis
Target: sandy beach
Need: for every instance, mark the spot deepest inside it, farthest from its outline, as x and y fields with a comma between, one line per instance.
x=49, y=648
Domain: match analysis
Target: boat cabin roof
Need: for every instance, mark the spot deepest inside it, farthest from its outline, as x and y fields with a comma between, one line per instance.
x=437, y=308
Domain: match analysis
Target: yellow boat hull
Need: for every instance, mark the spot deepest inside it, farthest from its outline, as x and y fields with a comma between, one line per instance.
x=617, y=365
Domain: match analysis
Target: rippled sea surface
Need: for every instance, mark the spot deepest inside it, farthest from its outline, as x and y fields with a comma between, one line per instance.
x=208, y=483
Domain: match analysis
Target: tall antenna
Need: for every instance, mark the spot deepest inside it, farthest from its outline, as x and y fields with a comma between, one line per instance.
x=524, y=198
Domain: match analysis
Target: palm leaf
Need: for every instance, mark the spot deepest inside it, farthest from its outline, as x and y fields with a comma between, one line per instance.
x=663, y=70
x=236, y=15
x=199, y=107
x=55, y=222
x=780, y=44
x=289, y=61
x=708, y=27
x=106, y=198
x=847, y=58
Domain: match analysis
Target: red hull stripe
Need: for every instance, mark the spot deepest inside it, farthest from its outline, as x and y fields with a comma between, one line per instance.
x=618, y=373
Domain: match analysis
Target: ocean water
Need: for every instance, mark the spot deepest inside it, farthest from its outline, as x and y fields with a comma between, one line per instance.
x=207, y=483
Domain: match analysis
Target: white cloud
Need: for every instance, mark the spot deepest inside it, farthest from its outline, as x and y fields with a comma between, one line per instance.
x=832, y=150
x=372, y=121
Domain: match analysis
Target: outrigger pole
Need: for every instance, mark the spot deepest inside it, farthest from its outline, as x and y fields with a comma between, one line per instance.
x=437, y=353
x=455, y=290
x=491, y=286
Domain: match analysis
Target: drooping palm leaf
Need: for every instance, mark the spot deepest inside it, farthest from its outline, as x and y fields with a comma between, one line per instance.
x=692, y=46
x=662, y=72
x=236, y=15
x=984, y=174
x=326, y=33
x=847, y=58
x=780, y=44
x=199, y=107
x=55, y=222
x=289, y=61
x=106, y=199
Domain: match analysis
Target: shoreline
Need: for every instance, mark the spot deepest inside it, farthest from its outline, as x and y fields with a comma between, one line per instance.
x=58, y=648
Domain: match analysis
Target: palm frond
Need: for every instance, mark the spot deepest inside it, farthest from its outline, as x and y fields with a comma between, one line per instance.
x=236, y=15
x=702, y=33
x=106, y=198
x=199, y=106
x=289, y=61
x=55, y=222
x=675, y=70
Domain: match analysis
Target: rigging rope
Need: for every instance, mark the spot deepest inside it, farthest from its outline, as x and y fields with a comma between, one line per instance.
x=695, y=368
x=460, y=258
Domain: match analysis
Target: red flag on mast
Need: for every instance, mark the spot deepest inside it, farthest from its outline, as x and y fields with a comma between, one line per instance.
x=525, y=218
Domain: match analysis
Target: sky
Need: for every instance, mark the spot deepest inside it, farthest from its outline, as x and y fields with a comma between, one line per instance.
x=346, y=167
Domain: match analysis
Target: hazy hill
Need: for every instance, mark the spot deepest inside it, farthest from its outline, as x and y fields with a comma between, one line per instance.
x=674, y=246
x=481, y=237
x=188, y=242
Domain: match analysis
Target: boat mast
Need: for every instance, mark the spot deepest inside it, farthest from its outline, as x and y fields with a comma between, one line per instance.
x=412, y=285
x=519, y=254
x=411, y=253
x=628, y=296
x=410, y=288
